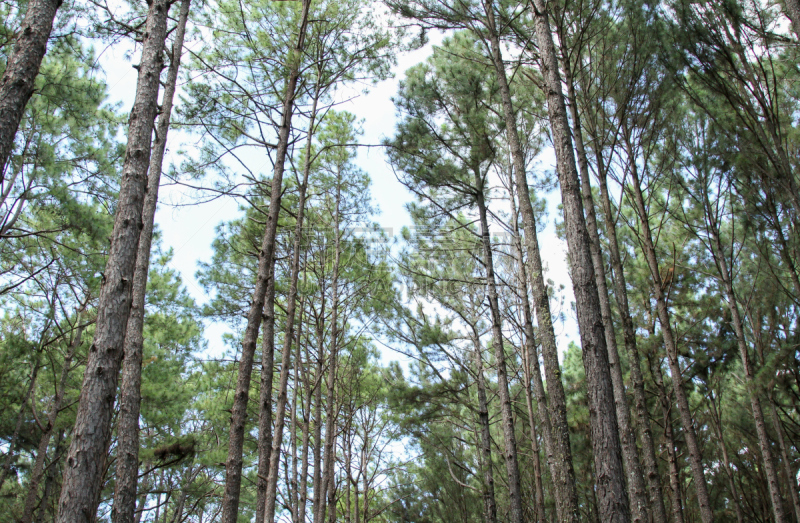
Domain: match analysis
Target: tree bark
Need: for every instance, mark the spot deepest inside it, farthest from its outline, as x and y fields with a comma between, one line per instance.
x=127, y=473
x=266, y=262
x=44, y=442
x=607, y=451
x=564, y=476
x=86, y=457
x=17, y=83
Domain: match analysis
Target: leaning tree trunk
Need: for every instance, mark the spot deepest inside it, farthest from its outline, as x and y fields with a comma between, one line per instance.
x=266, y=262
x=565, y=492
x=640, y=506
x=726, y=275
x=130, y=390
x=55, y=407
x=265, y=397
x=791, y=478
x=17, y=83
x=530, y=363
x=641, y=415
x=607, y=452
x=506, y=410
x=658, y=290
x=83, y=473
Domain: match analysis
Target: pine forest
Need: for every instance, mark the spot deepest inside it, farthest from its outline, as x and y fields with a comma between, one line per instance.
x=399, y=261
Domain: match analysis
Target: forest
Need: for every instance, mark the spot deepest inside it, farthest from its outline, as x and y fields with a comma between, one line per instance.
x=331, y=369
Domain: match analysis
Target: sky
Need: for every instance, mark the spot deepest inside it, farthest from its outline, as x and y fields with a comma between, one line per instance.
x=190, y=229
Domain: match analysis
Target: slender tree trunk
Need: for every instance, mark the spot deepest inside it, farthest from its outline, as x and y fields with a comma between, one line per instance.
x=717, y=417
x=265, y=397
x=297, y=396
x=310, y=391
x=607, y=452
x=563, y=474
x=669, y=437
x=640, y=506
x=318, y=497
x=489, y=503
x=791, y=478
x=86, y=457
x=17, y=83
x=44, y=441
x=509, y=437
x=658, y=289
x=642, y=416
x=331, y=411
x=530, y=359
x=726, y=276
x=50, y=480
x=130, y=391
x=266, y=262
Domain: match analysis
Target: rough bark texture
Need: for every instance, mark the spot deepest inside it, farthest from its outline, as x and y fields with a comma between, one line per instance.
x=563, y=473
x=233, y=465
x=127, y=472
x=658, y=289
x=55, y=406
x=17, y=83
x=506, y=410
x=86, y=457
x=609, y=472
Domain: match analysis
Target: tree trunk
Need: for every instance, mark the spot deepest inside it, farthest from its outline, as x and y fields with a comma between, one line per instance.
x=44, y=441
x=303, y=497
x=716, y=416
x=266, y=262
x=265, y=397
x=669, y=437
x=563, y=474
x=607, y=452
x=509, y=437
x=726, y=276
x=658, y=289
x=22, y=66
x=793, y=12
x=86, y=457
x=791, y=478
x=130, y=391
x=642, y=417
x=489, y=503
x=640, y=507
x=50, y=480
x=331, y=411
x=530, y=363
